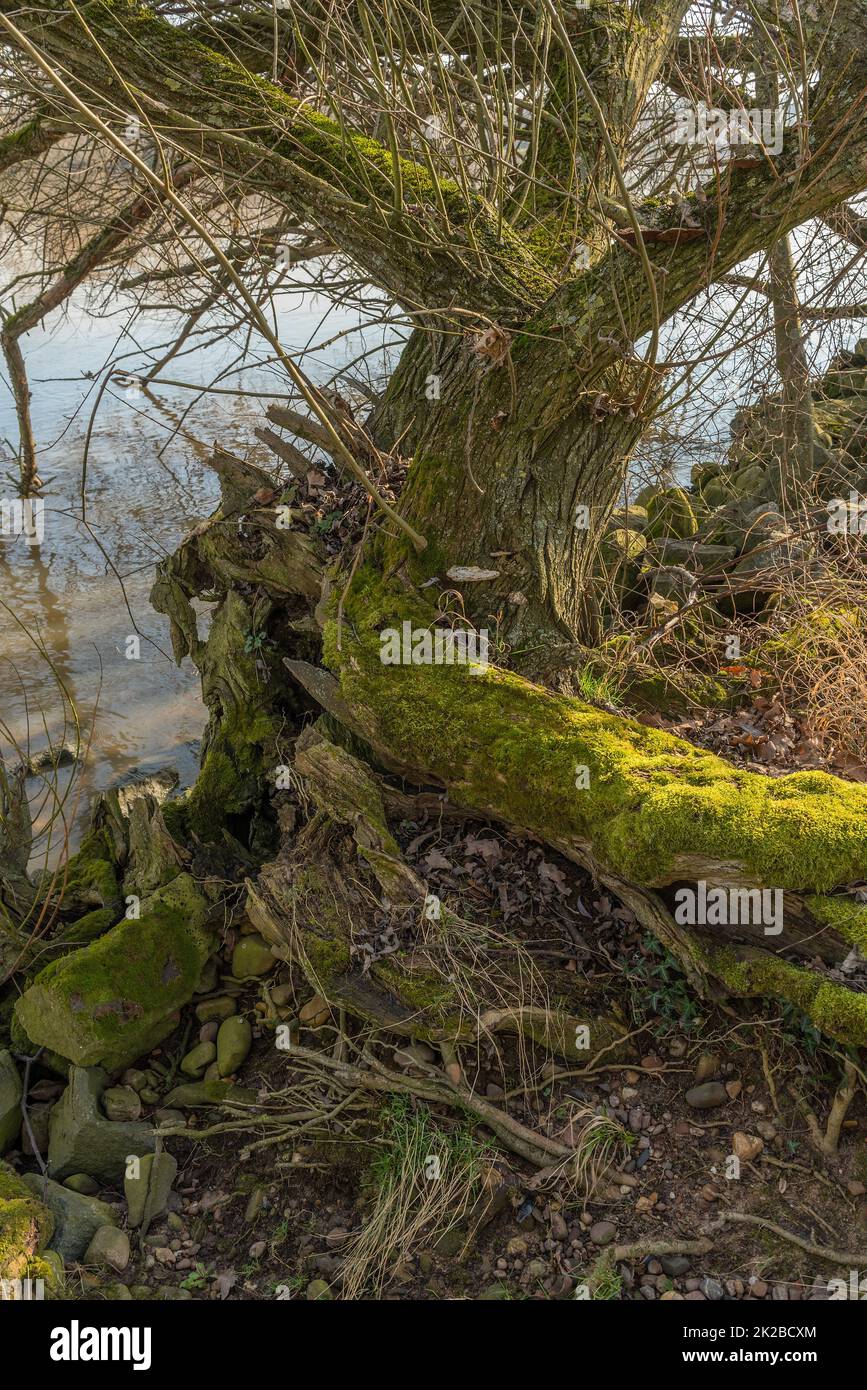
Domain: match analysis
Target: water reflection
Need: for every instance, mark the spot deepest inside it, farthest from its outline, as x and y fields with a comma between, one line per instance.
x=84, y=591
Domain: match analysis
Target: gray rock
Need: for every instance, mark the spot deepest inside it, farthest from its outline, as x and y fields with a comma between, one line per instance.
x=673, y=581
x=234, y=1041
x=603, y=1232
x=151, y=1188
x=39, y=1117
x=77, y=1218
x=199, y=1057
x=108, y=1246
x=674, y=1265
x=10, y=1102
x=83, y=1140
x=121, y=1103
x=712, y=1289
x=694, y=554
x=707, y=1096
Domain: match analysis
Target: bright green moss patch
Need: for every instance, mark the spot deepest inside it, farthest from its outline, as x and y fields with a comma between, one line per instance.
x=505, y=746
x=91, y=878
x=835, y=1010
x=113, y=1000
x=844, y=915
x=26, y=1226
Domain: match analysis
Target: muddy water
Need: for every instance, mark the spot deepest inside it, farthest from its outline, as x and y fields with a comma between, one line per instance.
x=83, y=592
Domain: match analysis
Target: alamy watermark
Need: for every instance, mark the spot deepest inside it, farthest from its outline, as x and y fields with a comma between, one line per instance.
x=23, y=516
x=710, y=125
x=730, y=907
x=22, y=1290
x=438, y=646
x=847, y=518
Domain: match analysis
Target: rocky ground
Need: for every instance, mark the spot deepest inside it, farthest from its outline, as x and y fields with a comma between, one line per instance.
x=228, y=1210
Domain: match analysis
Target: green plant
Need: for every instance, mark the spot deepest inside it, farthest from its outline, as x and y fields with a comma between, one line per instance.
x=800, y=1028
x=603, y=1281
x=662, y=989
x=257, y=642
x=196, y=1279
x=597, y=690
x=422, y=1180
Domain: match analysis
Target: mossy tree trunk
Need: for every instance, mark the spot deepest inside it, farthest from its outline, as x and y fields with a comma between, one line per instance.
x=518, y=401
x=516, y=467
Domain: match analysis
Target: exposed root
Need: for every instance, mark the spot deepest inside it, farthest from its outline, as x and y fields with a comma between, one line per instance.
x=827, y=1143
x=821, y=1252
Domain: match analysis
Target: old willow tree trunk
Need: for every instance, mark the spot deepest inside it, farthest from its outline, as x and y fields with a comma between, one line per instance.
x=537, y=277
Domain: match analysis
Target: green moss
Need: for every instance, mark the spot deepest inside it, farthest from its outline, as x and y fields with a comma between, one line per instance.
x=337, y=166
x=91, y=877
x=670, y=513
x=111, y=1001
x=91, y=925
x=838, y=1012
x=843, y=915
x=505, y=745
x=26, y=1226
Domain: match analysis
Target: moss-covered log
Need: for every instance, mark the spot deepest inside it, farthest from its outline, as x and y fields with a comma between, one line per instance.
x=644, y=811
x=315, y=905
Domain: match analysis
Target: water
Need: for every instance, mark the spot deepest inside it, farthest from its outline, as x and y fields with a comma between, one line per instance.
x=69, y=605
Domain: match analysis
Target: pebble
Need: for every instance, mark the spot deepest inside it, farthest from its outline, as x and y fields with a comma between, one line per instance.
x=603, y=1232
x=706, y=1067
x=234, y=1040
x=707, y=1096
x=198, y=1058
x=652, y=1062
x=215, y=1010
x=252, y=956
x=108, y=1246
x=318, y=1291
x=746, y=1147
x=712, y=1290
x=315, y=1012
x=121, y=1103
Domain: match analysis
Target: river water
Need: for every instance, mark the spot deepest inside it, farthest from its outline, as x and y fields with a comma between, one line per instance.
x=69, y=605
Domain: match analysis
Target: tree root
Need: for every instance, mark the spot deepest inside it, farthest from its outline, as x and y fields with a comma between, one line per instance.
x=821, y=1252
x=827, y=1143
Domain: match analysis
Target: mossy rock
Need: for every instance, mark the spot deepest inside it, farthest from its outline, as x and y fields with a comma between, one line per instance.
x=82, y=1140
x=702, y=473
x=630, y=518
x=622, y=546
x=91, y=876
x=670, y=514
x=10, y=1102
x=751, y=481
x=26, y=1226
x=115, y=999
x=717, y=491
